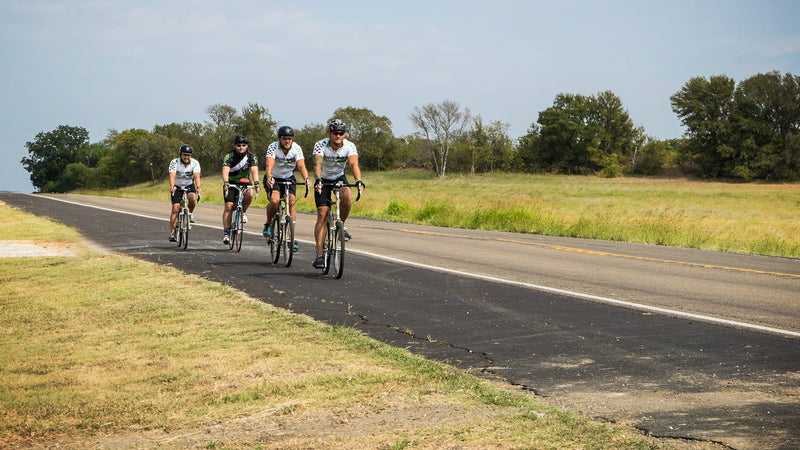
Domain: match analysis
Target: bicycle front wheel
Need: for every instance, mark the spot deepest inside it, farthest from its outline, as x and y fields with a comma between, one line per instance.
x=274, y=241
x=287, y=241
x=236, y=240
x=178, y=234
x=183, y=230
x=337, y=253
x=327, y=247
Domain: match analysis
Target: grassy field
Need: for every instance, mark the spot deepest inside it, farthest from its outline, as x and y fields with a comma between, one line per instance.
x=105, y=351
x=742, y=218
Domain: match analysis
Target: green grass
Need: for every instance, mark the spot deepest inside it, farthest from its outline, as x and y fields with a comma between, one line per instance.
x=732, y=217
x=104, y=350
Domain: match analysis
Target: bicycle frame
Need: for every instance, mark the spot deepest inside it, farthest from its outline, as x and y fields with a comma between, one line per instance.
x=333, y=245
x=281, y=244
x=237, y=219
x=184, y=224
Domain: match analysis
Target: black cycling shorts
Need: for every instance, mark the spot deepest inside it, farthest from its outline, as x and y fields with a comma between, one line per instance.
x=178, y=194
x=324, y=198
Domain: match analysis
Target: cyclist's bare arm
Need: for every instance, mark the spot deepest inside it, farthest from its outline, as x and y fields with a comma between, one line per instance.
x=301, y=166
x=270, y=165
x=318, y=166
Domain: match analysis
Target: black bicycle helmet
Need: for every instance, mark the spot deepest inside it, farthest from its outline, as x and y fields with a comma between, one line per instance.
x=285, y=131
x=186, y=149
x=337, y=125
x=240, y=139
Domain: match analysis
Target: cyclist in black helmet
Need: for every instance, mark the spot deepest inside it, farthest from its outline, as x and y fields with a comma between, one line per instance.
x=331, y=156
x=184, y=171
x=283, y=156
x=238, y=167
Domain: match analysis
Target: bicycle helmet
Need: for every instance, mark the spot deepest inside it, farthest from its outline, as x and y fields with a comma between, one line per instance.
x=240, y=139
x=285, y=131
x=337, y=125
x=186, y=149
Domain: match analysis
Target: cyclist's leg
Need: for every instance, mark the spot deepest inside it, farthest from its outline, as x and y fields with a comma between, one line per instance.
x=192, y=196
x=291, y=200
x=319, y=227
x=323, y=203
x=226, y=214
x=273, y=194
x=247, y=198
x=173, y=217
x=344, y=203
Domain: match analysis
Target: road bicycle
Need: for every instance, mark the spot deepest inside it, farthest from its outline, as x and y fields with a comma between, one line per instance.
x=237, y=219
x=281, y=243
x=184, y=219
x=333, y=239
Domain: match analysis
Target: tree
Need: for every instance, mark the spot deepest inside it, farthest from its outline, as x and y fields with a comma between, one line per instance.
x=124, y=166
x=747, y=131
x=51, y=152
x=766, y=119
x=441, y=124
x=704, y=107
x=618, y=136
x=528, y=151
x=195, y=134
x=306, y=137
x=484, y=148
x=569, y=139
x=372, y=134
x=257, y=124
x=221, y=130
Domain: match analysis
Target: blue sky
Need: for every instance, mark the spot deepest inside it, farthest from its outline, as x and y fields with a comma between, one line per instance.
x=119, y=64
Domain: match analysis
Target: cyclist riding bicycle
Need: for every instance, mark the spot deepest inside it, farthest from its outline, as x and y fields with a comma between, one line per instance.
x=283, y=156
x=238, y=164
x=331, y=156
x=184, y=172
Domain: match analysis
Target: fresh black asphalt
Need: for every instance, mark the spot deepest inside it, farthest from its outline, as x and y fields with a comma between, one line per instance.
x=539, y=341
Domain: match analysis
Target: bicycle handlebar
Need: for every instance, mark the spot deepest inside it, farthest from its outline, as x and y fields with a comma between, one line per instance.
x=290, y=183
x=238, y=187
x=340, y=184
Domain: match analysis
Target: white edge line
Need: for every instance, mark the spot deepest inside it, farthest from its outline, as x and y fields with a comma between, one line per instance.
x=610, y=301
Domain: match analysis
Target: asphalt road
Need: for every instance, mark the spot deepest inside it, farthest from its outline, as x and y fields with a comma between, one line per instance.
x=695, y=345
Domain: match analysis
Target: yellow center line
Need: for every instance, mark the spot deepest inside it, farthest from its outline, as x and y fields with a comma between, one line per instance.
x=601, y=253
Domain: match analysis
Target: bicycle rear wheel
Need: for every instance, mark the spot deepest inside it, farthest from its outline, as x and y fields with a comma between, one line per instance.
x=337, y=257
x=274, y=241
x=287, y=241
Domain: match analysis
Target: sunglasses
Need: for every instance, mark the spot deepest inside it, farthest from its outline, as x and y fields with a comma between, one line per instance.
x=241, y=145
x=337, y=133
x=287, y=137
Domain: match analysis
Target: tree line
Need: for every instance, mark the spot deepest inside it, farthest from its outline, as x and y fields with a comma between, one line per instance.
x=749, y=131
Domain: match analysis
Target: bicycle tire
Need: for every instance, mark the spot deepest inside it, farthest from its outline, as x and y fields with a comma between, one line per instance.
x=183, y=239
x=337, y=254
x=275, y=241
x=327, y=246
x=287, y=241
x=235, y=219
x=178, y=234
x=239, y=231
